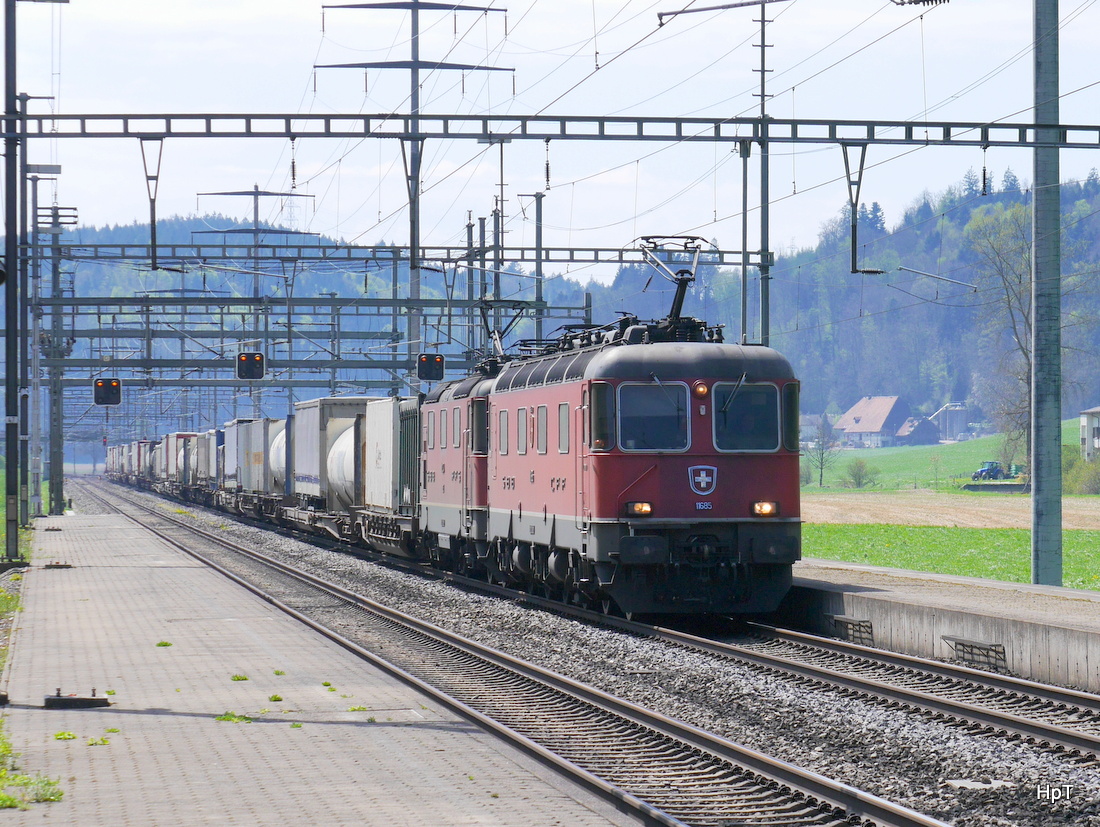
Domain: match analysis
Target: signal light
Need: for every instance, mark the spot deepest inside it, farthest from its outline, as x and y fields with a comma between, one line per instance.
x=430, y=366
x=250, y=365
x=107, y=391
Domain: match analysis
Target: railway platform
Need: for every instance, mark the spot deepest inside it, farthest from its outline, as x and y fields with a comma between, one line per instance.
x=173, y=646
x=1042, y=633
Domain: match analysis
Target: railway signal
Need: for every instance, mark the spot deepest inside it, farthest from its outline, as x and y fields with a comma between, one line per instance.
x=107, y=391
x=430, y=366
x=250, y=365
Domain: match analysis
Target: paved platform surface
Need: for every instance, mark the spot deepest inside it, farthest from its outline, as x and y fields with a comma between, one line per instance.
x=1047, y=633
x=305, y=759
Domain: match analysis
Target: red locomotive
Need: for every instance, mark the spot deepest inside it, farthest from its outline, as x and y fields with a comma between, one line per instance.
x=649, y=468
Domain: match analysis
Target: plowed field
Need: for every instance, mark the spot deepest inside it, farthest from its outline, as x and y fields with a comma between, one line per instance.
x=930, y=508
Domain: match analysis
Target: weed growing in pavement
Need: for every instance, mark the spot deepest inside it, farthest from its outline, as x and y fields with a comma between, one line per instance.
x=233, y=718
x=326, y=683
x=63, y=736
x=98, y=742
x=163, y=643
x=239, y=678
x=15, y=578
x=110, y=692
x=111, y=729
x=275, y=698
x=279, y=672
x=17, y=790
x=295, y=726
x=332, y=689
x=357, y=709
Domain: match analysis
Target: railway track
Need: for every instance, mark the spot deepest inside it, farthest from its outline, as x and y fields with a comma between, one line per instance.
x=666, y=772
x=1055, y=719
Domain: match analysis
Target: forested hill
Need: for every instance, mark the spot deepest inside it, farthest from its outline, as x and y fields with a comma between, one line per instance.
x=961, y=337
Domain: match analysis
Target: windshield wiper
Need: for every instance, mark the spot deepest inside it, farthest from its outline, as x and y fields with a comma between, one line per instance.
x=733, y=393
x=674, y=400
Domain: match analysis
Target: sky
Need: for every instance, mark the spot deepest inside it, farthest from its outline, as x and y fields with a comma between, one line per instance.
x=966, y=60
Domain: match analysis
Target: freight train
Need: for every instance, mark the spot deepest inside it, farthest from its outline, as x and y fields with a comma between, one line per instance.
x=637, y=468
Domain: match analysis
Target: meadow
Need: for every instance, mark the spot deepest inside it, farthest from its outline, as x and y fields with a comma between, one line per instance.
x=990, y=553
x=937, y=467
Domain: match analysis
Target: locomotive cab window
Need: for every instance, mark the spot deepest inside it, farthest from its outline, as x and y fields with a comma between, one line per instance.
x=601, y=417
x=653, y=416
x=746, y=417
x=790, y=416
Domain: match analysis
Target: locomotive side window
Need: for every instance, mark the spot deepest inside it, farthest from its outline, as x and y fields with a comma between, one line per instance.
x=521, y=431
x=601, y=417
x=746, y=417
x=563, y=428
x=442, y=428
x=479, y=427
x=431, y=429
x=456, y=419
x=540, y=429
x=502, y=433
x=790, y=416
x=653, y=417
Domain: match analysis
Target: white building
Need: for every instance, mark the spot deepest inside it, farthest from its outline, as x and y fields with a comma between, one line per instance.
x=1090, y=433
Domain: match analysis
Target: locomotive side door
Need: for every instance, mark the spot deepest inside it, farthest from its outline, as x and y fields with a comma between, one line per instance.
x=581, y=464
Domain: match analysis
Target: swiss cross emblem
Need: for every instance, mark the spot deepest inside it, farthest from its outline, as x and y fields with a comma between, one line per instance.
x=703, y=479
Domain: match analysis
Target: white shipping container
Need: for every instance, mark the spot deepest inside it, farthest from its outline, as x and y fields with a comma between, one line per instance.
x=381, y=477
x=206, y=459
x=172, y=456
x=233, y=457
x=146, y=450
x=255, y=440
x=318, y=423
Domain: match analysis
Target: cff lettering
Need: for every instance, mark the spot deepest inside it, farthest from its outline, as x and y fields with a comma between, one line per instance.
x=1047, y=792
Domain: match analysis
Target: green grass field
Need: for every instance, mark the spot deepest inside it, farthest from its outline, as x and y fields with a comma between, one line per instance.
x=938, y=467
x=992, y=553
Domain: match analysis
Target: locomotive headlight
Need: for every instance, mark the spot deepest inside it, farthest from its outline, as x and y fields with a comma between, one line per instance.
x=700, y=390
x=765, y=509
x=639, y=509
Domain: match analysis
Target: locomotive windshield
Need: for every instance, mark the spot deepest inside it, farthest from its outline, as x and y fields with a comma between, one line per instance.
x=746, y=417
x=653, y=417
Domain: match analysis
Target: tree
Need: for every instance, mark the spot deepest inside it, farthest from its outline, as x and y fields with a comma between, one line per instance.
x=823, y=452
x=972, y=184
x=1001, y=238
x=858, y=474
x=1010, y=184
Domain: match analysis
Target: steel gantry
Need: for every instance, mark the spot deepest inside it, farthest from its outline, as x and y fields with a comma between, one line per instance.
x=1045, y=136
